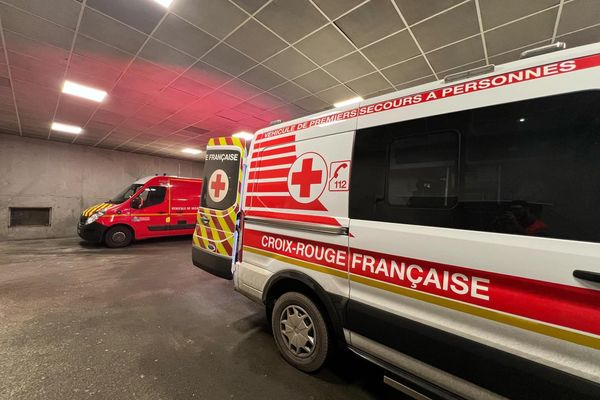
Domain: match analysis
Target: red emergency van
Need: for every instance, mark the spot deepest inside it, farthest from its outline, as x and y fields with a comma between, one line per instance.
x=154, y=206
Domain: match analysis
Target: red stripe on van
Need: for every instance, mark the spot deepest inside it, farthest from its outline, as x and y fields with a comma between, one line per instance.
x=270, y=173
x=271, y=152
x=273, y=162
x=281, y=187
x=274, y=141
x=282, y=202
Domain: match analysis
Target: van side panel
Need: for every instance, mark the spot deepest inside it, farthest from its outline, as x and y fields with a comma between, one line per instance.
x=296, y=211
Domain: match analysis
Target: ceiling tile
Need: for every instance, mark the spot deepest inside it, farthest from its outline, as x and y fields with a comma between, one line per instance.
x=370, y=22
x=102, y=52
x=445, y=28
x=250, y=5
x=191, y=86
x=23, y=45
x=368, y=84
x=416, y=82
x=579, y=14
x=396, y=48
x=207, y=75
x=407, y=71
x=100, y=27
x=184, y=36
x=240, y=89
x=61, y=12
x=232, y=115
x=417, y=10
x=521, y=33
x=290, y=63
x=289, y=92
x=336, y=94
x=312, y=104
x=316, y=81
x=514, y=55
x=494, y=13
x=464, y=52
x=262, y=78
x=291, y=19
x=583, y=37
x=349, y=67
x=35, y=28
x=228, y=59
x=378, y=93
x=324, y=45
x=266, y=101
x=216, y=17
x=165, y=56
x=246, y=38
x=142, y=15
x=335, y=8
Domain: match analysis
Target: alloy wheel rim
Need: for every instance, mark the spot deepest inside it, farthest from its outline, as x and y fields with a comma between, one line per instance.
x=298, y=331
x=118, y=237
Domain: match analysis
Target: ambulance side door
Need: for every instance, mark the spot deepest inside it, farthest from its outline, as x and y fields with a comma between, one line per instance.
x=467, y=230
x=183, y=204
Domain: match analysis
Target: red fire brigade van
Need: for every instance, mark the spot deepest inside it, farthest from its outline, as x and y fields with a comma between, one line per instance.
x=448, y=233
x=154, y=206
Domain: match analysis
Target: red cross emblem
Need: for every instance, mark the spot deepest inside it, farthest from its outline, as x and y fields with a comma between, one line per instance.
x=218, y=185
x=307, y=177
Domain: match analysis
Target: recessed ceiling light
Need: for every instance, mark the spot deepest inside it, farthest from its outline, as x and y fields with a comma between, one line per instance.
x=243, y=135
x=348, y=102
x=86, y=92
x=57, y=126
x=164, y=3
x=521, y=119
x=189, y=150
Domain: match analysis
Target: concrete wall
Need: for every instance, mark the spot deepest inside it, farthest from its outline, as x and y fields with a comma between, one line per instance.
x=69, y=178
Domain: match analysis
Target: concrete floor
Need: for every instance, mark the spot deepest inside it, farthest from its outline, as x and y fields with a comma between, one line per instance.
x=79, y=320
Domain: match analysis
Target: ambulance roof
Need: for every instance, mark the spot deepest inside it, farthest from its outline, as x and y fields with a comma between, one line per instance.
x=144, y=180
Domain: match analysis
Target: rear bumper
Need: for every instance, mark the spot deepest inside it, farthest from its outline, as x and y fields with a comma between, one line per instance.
x=212, y=263
x=93, y=232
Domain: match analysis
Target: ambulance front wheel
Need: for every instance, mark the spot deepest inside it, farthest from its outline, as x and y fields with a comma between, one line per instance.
x=118, y=236
x=300, y=331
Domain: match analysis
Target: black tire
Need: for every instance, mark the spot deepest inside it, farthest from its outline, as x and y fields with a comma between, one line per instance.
x=118, y=236
x=312, y=355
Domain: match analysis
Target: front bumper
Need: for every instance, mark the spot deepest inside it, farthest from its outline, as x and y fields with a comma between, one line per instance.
x=93, y=232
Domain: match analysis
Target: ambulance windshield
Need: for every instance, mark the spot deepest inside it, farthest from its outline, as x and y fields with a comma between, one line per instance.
x=221, y=171
x=125, y=194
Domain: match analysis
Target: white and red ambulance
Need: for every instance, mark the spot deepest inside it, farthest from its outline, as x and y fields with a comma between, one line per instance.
x=449, y=232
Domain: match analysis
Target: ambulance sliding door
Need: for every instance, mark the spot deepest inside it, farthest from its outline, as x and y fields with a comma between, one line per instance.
x=213, y=241
x=475, y=244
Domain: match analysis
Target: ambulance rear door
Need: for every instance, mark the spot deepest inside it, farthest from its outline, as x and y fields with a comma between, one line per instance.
x=213, y=241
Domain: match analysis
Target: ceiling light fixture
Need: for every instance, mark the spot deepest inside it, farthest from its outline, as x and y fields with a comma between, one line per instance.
x=86, y=92
x=243, y=135
x=344, y=103
x=164, y=3
x=189, y=150
x=57, y=126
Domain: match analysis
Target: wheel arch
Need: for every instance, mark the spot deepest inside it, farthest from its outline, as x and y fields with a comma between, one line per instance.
x=119, y=224
x=334, y=306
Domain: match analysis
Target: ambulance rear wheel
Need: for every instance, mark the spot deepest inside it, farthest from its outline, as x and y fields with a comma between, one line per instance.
x=300, y=331
x=118, y=236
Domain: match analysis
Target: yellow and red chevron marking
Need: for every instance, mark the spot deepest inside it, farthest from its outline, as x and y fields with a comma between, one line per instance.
x=215, y=229
x=98, y=207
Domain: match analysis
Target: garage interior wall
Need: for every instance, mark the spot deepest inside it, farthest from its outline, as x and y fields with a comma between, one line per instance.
x=69, y=178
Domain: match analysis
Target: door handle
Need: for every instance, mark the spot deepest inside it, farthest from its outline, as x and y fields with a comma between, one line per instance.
x=587, y=275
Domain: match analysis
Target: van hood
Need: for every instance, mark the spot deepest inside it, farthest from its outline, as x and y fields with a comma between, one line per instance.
x=88, y=212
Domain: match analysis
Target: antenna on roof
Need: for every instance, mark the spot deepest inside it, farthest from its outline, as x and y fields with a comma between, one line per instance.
x=469, y=73
x=164, y=174
x=276, y=121
x=550, y=48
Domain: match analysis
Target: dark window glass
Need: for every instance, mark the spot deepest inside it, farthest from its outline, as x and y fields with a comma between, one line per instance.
x=39, y=216
x=422, y=171
x=528, y=168
x=125, y=194
x=153, y=195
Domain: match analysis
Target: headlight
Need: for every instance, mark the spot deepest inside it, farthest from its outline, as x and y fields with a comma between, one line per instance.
x=94, y=217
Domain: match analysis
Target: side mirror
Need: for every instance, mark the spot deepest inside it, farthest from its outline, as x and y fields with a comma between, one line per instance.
x=136, y=202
